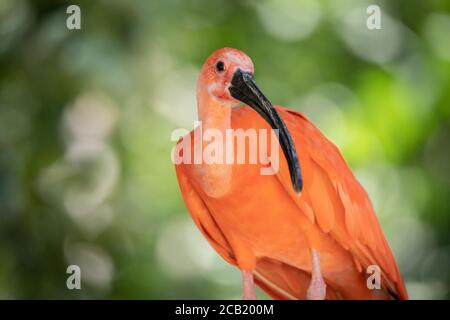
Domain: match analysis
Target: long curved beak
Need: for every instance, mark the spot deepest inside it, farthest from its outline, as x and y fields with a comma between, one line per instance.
x=244, y=88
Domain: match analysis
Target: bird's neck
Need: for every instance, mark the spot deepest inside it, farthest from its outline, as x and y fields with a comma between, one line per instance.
x=214, y=172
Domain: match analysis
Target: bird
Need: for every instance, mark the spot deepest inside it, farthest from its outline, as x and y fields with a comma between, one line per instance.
x=306, y=229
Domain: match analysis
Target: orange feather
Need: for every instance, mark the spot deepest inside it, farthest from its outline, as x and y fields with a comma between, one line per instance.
x=279, y=227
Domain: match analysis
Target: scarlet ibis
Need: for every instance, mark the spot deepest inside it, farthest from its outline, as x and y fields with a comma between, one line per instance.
x=306, y=231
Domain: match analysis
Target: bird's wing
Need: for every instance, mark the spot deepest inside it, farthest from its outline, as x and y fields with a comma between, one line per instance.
x=201, y=214
x=333, y=199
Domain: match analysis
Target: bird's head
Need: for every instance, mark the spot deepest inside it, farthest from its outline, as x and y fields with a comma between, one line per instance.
x=227, y=77
x=219, y=70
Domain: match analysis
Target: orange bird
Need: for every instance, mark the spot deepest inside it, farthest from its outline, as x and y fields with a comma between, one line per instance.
x=307, y=229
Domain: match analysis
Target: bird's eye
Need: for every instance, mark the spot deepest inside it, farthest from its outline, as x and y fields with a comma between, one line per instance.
x=220, y=66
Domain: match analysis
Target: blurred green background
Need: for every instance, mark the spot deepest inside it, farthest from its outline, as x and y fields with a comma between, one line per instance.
x=86, y=118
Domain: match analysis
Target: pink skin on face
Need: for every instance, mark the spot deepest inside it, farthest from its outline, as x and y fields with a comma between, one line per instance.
x=218, y=70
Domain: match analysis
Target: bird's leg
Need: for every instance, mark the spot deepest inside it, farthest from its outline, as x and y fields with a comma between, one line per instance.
x=248, y=286
x=317, y=287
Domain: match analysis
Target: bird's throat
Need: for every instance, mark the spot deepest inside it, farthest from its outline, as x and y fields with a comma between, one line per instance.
x=214, y=171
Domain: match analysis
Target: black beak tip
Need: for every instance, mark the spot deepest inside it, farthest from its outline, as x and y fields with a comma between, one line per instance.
x=298, y=187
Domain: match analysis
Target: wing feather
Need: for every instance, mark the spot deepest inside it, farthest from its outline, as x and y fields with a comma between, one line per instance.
x=340, y=205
